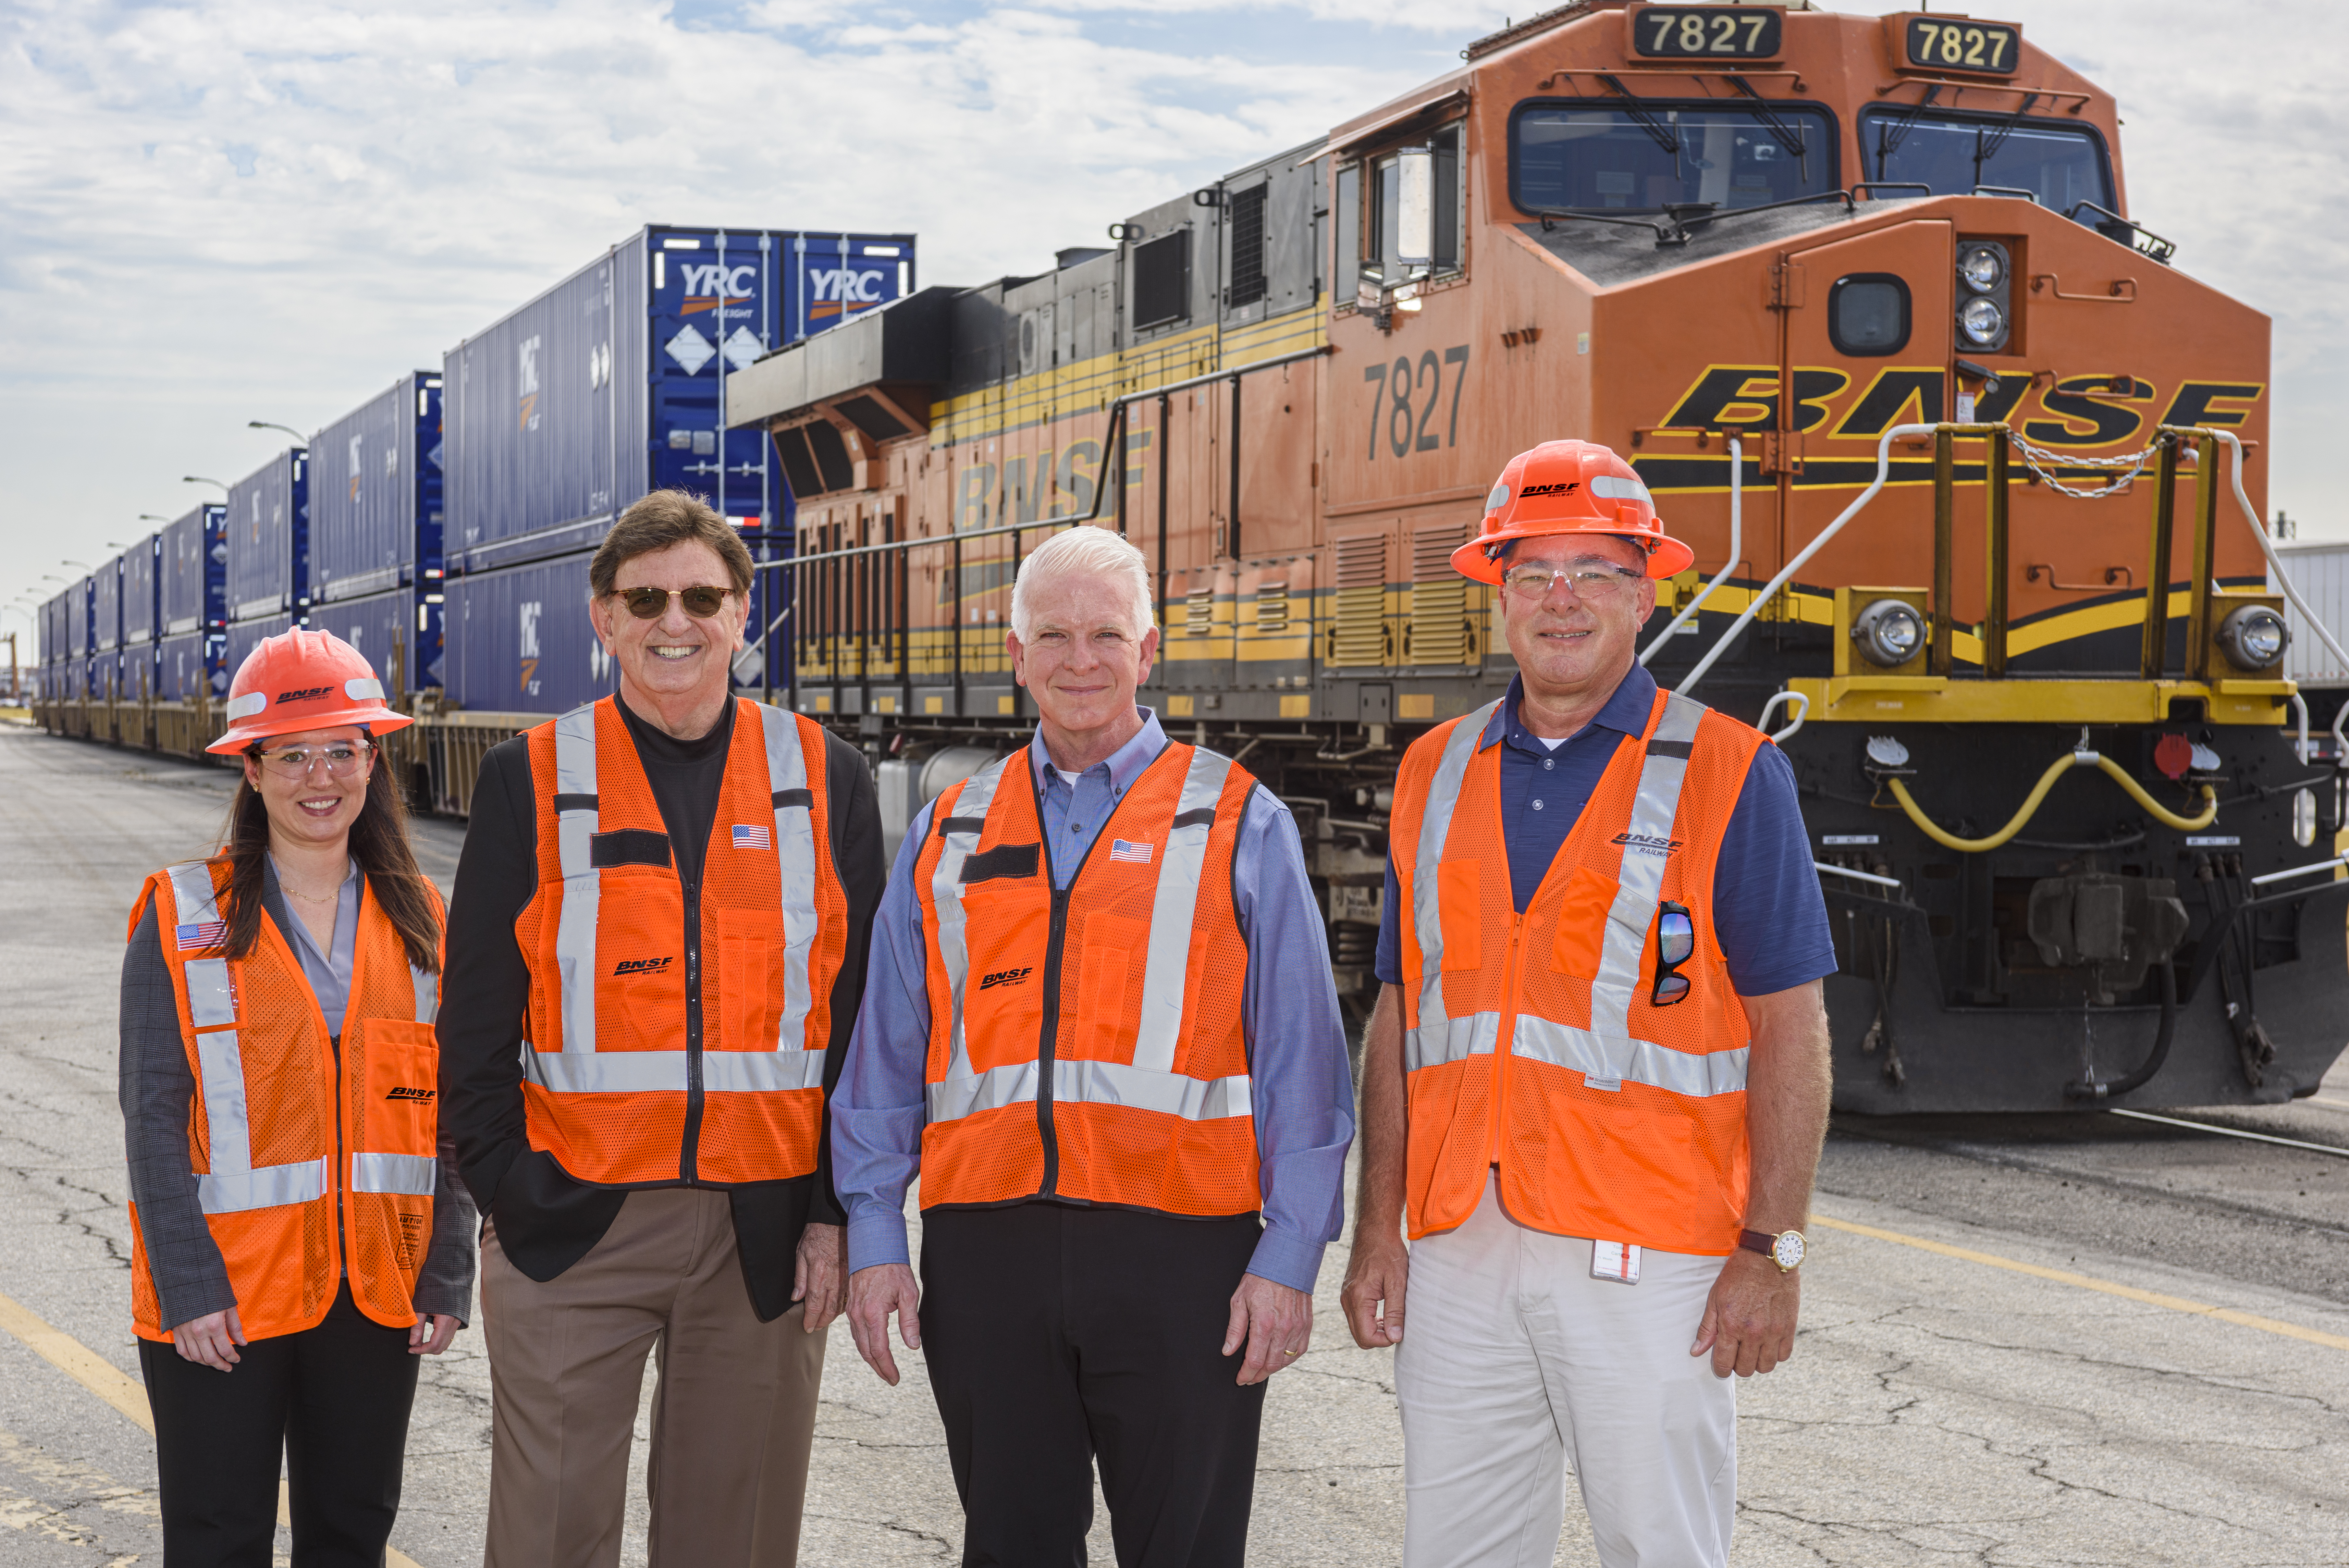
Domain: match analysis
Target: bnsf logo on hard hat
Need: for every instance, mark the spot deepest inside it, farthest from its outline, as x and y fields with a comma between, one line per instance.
x=306, y=696
x=1531, y=490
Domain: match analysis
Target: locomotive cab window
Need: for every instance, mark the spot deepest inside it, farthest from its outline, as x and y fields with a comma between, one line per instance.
x=1390, y=252
x=1580, y=158
x=1867, y=314
x=2059, y=164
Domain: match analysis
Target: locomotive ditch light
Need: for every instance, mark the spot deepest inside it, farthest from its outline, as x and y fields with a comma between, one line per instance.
x=1983, y=267
x=2254, y=637
x=1889, y=632
x=1982, y=322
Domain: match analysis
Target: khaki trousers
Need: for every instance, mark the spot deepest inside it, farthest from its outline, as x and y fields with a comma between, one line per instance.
x=732, y=1422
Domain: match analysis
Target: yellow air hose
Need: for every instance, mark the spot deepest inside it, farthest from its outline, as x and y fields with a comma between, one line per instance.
x=2039, y=793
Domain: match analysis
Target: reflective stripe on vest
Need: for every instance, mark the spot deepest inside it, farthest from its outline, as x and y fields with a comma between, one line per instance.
x=1606, y=1053
x=233, y=1185
x=1149, y=1082
x=578, y=1068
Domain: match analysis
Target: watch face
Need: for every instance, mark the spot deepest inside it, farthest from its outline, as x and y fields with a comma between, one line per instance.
x=1787, y=1248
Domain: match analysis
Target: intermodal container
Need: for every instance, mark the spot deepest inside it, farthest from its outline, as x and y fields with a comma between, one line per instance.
x=2320, y=570
x=243, y=635
x=268, y=534
x=518, y=640
x=139, y=621
x=399, y=632
x=612, y=384
x=192, y=573
x=375, y=494
x=188, y=662
x=105, y=607
x=53, y=630
x=79, y=598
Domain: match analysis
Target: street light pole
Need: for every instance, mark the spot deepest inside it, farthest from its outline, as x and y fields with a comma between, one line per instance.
x=289, y=429
x=200, y=479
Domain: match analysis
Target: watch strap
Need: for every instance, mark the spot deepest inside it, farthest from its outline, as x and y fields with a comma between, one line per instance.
x=1760, y=1242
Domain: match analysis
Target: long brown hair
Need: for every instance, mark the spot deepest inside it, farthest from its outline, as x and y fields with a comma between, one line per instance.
x=380, y=845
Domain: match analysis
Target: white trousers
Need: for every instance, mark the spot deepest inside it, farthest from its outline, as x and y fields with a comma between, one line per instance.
x=1515, y=1364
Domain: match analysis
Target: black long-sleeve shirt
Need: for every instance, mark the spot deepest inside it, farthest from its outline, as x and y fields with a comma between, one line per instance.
x=545, y=1220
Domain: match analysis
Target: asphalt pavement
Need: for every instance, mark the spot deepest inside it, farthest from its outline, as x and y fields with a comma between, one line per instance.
x=2065, y=1340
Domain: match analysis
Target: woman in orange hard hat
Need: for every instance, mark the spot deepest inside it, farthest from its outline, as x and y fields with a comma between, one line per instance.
x=296, y=1239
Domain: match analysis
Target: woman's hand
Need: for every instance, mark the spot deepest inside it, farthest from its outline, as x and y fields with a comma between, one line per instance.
x=210, y=1340
x=431, y=1335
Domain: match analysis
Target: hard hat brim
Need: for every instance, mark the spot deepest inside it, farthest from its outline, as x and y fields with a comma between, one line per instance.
x=1668, y=558
x=377, y=720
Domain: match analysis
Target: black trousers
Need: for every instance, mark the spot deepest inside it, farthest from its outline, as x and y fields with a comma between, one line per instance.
x=1057, y=1336
x=332, y=1401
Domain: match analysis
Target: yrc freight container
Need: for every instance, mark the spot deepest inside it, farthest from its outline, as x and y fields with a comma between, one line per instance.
x=384, y=624
x=105, y=607
x=194, y=571
x=269, y=538
x=53, y=629
x=139, y=623
x=190, y=662
x=612, y=384
x=375, y=495
x=77, y=603
x=518, y=640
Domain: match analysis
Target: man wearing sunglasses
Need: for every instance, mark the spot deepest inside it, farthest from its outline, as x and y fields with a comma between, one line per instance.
x=656, y=953
x=1595, y=1084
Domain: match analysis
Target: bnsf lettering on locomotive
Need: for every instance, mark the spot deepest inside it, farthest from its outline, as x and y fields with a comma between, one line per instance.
x=1901, y=395
x=2084, y=421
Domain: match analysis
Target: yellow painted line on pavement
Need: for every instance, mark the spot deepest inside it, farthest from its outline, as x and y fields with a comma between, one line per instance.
x=2085, y=1282
x=116, y=1386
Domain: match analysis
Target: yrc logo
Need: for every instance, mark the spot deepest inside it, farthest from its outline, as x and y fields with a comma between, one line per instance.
x=527, y=382
x=710, y=285
x=528, y=646
x=354, y=468
x=838, y=289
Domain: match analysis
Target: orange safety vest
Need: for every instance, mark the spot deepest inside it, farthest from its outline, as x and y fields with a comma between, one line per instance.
x=275, y=1102
x=610, y=1087
x=1087, y=1044
x=1531, y=1044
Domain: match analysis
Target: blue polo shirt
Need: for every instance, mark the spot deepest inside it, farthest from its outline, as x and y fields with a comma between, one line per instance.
x=1767, y=912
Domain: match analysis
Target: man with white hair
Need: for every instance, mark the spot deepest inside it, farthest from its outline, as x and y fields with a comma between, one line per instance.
x=1130, y=1164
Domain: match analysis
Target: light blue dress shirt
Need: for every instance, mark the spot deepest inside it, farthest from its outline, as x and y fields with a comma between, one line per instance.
x=1301, y=1088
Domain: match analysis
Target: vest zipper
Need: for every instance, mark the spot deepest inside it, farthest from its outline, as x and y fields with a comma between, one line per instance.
x=1501, y=1041
x=1045, y=1051
x=689, y=1150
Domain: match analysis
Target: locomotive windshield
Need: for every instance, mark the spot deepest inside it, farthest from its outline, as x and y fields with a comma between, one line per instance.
x=1573, y=157
x=2059, y=164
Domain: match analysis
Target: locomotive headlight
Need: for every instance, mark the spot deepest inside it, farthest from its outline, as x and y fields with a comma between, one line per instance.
x=2254, y=636
x=1982, y=322
x=1983, y=268
x=1889, y=632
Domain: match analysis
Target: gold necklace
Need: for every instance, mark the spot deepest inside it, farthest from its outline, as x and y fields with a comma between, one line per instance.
x=309, y=897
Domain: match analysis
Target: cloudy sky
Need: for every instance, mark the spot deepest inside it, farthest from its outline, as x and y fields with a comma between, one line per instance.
x=216, y=212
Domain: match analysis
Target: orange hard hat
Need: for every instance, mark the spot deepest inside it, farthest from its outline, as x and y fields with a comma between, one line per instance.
x=302, y=679
x=1570, y=487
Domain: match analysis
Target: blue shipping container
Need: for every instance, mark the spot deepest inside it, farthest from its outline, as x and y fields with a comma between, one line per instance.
x=78, y=602
x=375, y=494
x=105, y=607
x=381, y=624
x=612, y=384
x=269, y=538
x=190, y=662
x=137, y=671
x=518, y=640
x=53, y=630
x=138, y=622
x=194, y=571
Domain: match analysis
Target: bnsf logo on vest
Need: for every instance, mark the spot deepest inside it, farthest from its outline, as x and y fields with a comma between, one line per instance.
x=406, y=1094
x=640, y=966
x=1642, y=845
x=1568, y=488
x=306, y=696
x=1005, y=977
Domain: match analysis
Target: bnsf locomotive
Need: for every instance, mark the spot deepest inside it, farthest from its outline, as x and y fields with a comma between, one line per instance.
x=1973, y=474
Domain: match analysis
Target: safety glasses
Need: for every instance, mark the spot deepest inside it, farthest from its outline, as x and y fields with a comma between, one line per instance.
x=1675, y=945
x=342, y=759
x=651, y=604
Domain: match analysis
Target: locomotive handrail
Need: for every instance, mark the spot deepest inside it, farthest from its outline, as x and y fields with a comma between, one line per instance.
x=2267, y=546
x=1737, y=547
x=1802, y=558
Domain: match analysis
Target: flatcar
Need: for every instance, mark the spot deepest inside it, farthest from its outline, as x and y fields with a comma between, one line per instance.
x=1974, y=472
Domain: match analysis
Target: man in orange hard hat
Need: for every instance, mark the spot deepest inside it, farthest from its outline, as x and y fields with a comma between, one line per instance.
x=1596, y=1077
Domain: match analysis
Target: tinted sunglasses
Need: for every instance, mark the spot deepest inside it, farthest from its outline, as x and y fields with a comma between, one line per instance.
x=651, y=604
x=1675, y=945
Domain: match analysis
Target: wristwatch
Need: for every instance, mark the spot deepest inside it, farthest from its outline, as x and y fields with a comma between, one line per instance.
x=1785, y=1248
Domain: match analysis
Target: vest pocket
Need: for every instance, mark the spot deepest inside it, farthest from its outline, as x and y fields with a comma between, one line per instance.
x=749, y=1000
x=1007, y=931
x=1460, y=904
x=1108, y=985
x=393, y=1065
x=1582, y=915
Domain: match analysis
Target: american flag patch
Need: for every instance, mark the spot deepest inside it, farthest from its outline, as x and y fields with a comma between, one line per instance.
x=1132, y=854
x=206, y=934
x=753, y=836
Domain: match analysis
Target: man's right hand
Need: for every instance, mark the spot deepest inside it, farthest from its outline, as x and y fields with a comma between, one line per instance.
x=210, y=1340
x=1378, y=1272
x=872, y=1294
